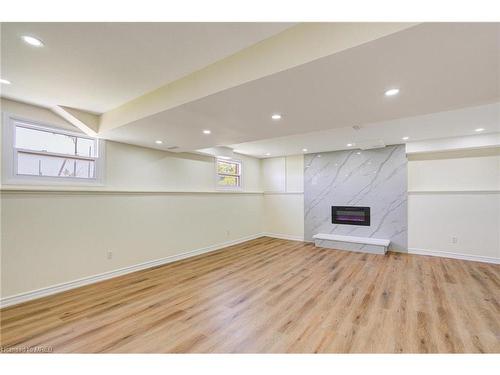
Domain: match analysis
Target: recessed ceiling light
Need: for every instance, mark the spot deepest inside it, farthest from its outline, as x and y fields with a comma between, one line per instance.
x=276, y=116
x=268, y=154
x=479, y=129
x=4, y=81
x=318, y=156
x=304, y=150
x=349, y=145
x=32, y=41
x=392, y=92
x=206, y=131
x=358, y=153
x=158, y=142
x=405, y=138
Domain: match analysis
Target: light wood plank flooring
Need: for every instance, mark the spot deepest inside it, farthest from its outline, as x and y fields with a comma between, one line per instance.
x=271, y=295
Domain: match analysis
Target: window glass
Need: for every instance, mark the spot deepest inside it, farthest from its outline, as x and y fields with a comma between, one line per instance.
x=41, y=152
x=85, y=147
x=39, y=140
x=228, y=174
x=54, y=166
x=229, y=181
x=227, y=168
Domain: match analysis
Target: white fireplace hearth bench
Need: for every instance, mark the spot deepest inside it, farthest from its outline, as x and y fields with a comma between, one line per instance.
x=350, y=243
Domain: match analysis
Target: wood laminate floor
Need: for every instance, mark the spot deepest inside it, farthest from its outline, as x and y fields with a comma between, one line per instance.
x=272, y=295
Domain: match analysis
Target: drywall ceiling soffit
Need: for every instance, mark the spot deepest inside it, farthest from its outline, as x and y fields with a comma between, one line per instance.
x=85, y=121
x=438, y=67
x=293, y=47
x=461, y=123
x=98, y=66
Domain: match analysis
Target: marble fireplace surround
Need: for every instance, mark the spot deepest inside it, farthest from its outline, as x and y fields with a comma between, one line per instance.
x=375, y=178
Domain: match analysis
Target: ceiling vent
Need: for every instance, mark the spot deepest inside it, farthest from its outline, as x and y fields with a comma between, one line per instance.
x=370, y=144
x=172, y=148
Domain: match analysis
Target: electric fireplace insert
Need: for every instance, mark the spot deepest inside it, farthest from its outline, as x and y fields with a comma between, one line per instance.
x=351, y=215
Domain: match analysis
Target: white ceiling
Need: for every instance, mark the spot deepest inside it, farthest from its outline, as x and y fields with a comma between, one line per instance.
x=99, y=66
x=445, y=124
x=438, y=67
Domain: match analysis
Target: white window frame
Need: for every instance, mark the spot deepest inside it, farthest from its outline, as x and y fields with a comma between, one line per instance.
x=217, y=174
x=10, y=155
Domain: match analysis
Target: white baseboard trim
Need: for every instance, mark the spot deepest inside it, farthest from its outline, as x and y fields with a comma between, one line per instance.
x=47, y=291
x=445, y=254
x=284, y=236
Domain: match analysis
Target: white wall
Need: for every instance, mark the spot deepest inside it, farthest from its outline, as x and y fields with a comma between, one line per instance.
x=51, y=237
x=472, y=218
x=283, y=181
x=35, y=113
x=154, y=205
x=472, y=170
x=454, y=203
x=141, y=168
x=157, y=204
x=274, y=175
